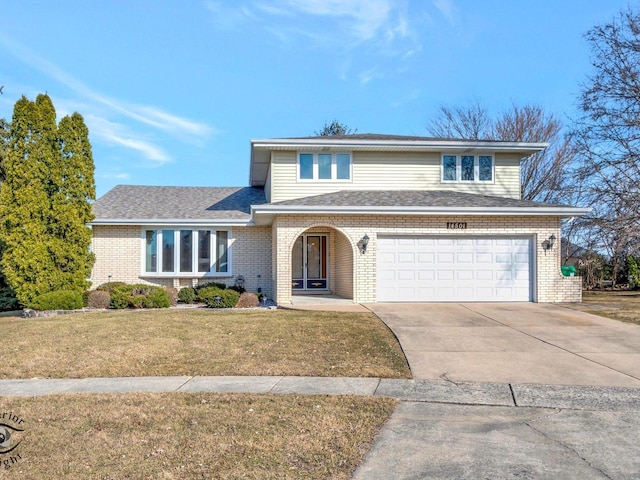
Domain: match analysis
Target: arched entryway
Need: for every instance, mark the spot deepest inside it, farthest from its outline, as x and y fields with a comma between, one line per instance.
x=322, y=263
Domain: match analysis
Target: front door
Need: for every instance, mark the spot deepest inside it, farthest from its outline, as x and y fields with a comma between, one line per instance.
x=309, y=263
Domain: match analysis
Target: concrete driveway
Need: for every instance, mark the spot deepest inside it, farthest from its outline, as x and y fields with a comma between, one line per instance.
x=514, y=343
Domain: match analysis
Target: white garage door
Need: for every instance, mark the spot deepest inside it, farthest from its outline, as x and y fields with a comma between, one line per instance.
x=427, y=269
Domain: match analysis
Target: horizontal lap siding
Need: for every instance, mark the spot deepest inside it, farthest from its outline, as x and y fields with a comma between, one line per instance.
x=384, y=171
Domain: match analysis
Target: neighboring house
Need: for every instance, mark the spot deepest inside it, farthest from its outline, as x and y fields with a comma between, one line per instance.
x=373, y=218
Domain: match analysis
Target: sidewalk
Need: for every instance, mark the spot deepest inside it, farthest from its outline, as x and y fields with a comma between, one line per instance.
x=441, y=429
x=432, y=391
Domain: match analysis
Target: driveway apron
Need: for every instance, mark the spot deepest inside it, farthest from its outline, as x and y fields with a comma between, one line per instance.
x=514, y=343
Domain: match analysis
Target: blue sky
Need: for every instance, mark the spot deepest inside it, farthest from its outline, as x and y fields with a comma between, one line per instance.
x=173, y=91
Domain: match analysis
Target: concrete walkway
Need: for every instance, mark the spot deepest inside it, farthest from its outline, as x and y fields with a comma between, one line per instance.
x=514, y=343
x=445, y=430
x=434, y=391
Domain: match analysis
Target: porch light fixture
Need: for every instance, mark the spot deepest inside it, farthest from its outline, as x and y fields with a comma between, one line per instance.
x=364, y=242
x=549, y=243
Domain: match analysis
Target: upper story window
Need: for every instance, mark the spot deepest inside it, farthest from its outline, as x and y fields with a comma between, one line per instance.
x=324, y=166
x=467, y=168
x=176, y=252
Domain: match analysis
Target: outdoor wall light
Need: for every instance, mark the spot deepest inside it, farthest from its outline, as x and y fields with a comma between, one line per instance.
x=364, y=242
x=549, y=243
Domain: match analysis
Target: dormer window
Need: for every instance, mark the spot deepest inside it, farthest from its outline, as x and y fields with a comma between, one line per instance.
x=467, y=168
x=324, y=166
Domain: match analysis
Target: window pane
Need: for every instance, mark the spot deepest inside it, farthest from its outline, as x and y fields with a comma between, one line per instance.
x=324, y=166
x=204, y=250
x=449, y=168
x=466, y=168
x=297, y=260
x=343, y=161
x=167, y=251
x=306, y=166
x=186, y=251
x=486, y=168
x=221, y=252
x=151, y=251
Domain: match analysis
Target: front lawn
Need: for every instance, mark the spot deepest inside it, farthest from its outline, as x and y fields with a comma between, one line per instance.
x=619, y=305
x=200, y=342
x=189, y=436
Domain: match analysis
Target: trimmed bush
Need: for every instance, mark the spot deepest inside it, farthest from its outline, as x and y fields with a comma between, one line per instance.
x=220, y=286
x=139, y=296
x=235, y=288
x=248, y=300
x=58, y=300
x=110, y=286
x=217, y=298
x=206, y=293
x=99, y=299
x=85, y=298
x=187, y=295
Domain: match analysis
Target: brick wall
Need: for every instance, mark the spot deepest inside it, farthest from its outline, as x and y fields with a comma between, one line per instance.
x=344, y=266
x=551, y=286
x=119, y=256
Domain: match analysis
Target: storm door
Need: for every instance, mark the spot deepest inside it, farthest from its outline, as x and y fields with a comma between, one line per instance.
x=309, y=263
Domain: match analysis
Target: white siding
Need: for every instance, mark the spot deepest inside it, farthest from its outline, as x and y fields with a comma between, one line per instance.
x=384, y=171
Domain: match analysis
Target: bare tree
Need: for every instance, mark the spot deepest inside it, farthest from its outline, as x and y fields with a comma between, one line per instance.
x=545, y=176
x=470, y=123
x=607, y=136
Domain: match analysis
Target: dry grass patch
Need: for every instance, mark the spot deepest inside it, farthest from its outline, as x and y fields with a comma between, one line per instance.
x=200, y=342
x=189, y=436
x=619, y=305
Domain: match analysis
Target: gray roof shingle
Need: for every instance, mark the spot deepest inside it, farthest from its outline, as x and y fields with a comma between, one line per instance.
x=410, y=198
x=135, y=202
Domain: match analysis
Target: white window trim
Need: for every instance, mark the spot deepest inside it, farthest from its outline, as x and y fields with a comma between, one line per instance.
x=316, y=168
x=476, y=167
x=176, y=253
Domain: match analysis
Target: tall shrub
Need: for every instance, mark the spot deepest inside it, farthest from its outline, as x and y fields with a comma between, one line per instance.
x=45, y=201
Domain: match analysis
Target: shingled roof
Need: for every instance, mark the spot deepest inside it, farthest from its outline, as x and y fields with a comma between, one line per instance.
x=135, y=202
x=411, y=198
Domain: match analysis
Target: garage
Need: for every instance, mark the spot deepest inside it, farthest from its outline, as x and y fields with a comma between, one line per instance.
x=456, y=269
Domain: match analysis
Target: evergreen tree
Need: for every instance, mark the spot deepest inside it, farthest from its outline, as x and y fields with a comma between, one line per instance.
x=335, y=128
x=44, y=201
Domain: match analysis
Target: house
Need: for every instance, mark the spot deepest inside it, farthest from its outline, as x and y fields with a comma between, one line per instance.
x=373, y=218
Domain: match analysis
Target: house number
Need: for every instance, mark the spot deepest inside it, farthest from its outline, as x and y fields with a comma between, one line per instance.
x=457, y=225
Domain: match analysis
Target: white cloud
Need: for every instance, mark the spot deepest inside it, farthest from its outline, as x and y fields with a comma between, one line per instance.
x=368, y=16
x=368, y=75
x=115, y=176
x=148, y=115
x=446, y=8
x=117, y=134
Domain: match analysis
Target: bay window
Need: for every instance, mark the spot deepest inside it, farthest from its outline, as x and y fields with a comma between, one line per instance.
x=180, y=252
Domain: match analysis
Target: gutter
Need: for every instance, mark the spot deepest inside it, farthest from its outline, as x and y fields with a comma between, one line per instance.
x=419, y=210
x=417, y=144
x=174, y=222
